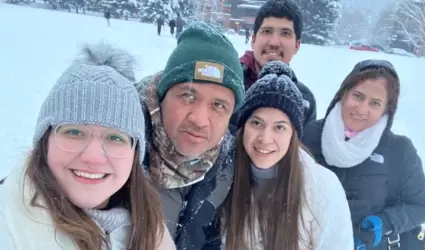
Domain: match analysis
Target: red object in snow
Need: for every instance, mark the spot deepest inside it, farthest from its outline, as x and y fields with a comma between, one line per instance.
x=364, y=47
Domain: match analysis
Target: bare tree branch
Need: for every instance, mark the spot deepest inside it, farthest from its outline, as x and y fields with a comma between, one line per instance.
x=410, y=15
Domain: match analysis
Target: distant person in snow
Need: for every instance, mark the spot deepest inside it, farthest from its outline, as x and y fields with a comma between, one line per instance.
x=107, y=16
x=172, y=25
x=381, y=171
x=179, y=26
x=83, y=185
x=247, y=34
x=159, y=23
x=276, y=37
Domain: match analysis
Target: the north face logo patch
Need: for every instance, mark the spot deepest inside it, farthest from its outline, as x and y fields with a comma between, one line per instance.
x=377, y=158
x=208, y=71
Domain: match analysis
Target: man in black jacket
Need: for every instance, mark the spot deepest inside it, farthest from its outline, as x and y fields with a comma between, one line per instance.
x=277, y=37
x=189, y=149
x=107, y=16
x=179, y=25
x=159, y=23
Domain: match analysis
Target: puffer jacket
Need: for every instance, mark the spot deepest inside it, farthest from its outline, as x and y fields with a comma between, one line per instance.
x=389, y=183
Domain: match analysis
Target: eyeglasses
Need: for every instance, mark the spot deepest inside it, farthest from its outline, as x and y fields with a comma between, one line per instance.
x=77, y=137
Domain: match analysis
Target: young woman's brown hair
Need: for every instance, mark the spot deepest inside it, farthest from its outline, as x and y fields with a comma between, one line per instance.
x=278, y=205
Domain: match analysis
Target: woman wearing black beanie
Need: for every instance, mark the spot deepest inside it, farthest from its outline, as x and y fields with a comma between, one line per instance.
x=281, y=198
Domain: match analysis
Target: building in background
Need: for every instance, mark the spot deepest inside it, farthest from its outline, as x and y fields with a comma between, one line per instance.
x=240, y=14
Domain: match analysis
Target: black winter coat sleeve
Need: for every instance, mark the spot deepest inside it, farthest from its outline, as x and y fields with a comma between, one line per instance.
x=213, y=235
x=233, y=123
x=310, y=112
x=409, y=211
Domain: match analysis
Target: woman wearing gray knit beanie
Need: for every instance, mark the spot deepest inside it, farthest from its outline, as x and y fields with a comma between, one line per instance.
x=83, y=185
x=281, y=198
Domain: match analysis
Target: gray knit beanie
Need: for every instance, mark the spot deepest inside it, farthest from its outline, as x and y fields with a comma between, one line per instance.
x=96, y=89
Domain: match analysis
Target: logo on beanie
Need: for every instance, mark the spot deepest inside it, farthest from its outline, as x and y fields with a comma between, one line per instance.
x=208, y=71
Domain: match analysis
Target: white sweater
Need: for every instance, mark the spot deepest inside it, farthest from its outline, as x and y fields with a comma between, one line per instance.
x=31, y=228
x=326, y=214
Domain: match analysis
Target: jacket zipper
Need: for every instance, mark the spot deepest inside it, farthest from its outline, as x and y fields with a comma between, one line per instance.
x=108, y=239
x=421, y=234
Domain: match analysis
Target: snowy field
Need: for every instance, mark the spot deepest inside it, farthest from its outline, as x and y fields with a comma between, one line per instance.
x=37, y=45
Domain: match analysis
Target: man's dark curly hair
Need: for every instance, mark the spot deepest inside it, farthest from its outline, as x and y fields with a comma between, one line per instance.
x=280, y=9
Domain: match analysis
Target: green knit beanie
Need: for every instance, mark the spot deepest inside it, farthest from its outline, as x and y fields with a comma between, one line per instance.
x=203, y=55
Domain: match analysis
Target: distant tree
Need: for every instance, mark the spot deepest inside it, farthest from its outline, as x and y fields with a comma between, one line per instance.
x=73, y=4
x=352, y=25
x=385, y=27
x=320, y=17
x=410, y=17
x=120, y=8
x=152, y=9
x=186, y=8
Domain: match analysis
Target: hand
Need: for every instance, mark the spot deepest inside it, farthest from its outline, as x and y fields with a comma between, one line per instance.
x=370, y=232
x=364, y=238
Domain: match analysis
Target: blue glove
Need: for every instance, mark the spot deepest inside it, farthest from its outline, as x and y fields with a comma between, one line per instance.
x=370, y=232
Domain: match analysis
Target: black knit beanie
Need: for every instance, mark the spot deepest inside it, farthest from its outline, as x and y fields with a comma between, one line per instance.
x=375, y=64
x=365, y=65
x=274, y=89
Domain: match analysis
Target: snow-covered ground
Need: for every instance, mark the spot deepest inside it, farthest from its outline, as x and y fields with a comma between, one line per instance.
x=37, y=45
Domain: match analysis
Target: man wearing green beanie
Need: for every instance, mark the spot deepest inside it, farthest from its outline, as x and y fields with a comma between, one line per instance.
x=190, y=152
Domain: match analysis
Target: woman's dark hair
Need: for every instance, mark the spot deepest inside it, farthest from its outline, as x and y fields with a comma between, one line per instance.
x=277, y=208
